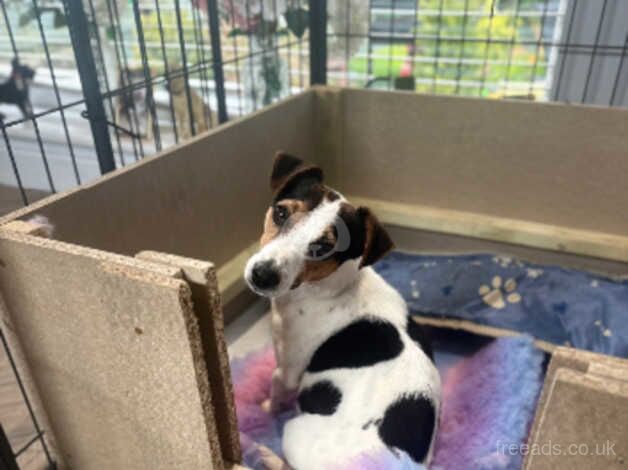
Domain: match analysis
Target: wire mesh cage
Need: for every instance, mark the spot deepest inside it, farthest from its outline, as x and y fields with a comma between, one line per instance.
x=136, y=77
x=549, y=50
x=93, y=85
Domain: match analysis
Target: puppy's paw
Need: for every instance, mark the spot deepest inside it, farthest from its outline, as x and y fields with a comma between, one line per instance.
x=274, y=406
x=267, y=405
x=272, y=461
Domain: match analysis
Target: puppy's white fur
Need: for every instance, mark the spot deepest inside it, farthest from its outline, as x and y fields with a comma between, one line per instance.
x=303, y=318
x=316, y=441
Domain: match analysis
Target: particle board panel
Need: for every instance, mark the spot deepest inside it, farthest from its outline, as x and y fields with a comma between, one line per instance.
x=580, y=424
x=203, y=199
x=202, y=279
x=556, y=164
x=115, y=353
x=589, y=243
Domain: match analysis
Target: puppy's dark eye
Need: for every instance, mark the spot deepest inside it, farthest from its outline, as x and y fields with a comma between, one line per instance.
x=319, y=249
x=280, y=215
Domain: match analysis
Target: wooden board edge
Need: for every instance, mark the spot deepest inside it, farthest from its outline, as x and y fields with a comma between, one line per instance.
x=43, y=203
x=513, y=231
x=230, y=274
x=475, y=328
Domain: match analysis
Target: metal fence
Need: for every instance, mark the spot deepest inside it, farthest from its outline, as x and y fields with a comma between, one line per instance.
x=92, y=85
x=543, y=50
x=115, y=81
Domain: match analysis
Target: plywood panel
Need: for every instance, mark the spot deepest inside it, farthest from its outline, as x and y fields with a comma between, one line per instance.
x=518, y=232
x=204, y=199
x=202, y=279
x=581, y=424
x=115, y=353
x=555, y=164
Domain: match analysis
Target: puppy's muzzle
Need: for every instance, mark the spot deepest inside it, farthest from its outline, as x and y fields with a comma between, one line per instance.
x=265, y=275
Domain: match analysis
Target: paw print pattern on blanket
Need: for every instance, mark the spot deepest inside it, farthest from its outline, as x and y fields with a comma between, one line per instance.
x=500, y=293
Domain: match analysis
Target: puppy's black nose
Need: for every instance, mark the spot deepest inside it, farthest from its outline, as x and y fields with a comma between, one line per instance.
x=265, y=275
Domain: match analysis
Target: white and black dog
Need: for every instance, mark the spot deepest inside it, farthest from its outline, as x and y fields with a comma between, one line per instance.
x=361, y=367
x=16, y=90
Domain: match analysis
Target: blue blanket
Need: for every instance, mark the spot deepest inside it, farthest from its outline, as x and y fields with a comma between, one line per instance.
x=558, y=305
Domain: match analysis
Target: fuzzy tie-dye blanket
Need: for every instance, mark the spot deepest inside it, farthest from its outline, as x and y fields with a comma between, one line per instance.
x=489, y=400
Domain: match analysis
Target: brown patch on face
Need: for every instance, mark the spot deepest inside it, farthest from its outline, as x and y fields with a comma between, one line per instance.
x=316, y=270
x=377, y=242
x=296, y=210
x=270, y=229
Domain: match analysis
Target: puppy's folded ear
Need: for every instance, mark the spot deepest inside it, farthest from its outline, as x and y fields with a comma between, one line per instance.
x=377, y=242
x=283, y=166
x=288, y=171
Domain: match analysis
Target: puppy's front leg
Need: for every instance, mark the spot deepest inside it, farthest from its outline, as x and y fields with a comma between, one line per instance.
x=279, y=392
x=272, y=461
x=282, y=389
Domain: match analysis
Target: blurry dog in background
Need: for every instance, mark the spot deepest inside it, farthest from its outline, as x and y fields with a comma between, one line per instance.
x=132, y=103
x=199, y=112
x=16, y=89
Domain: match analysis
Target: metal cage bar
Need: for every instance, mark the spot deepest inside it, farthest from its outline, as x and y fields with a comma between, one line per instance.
x=219, y=79
x=147, y=75
x=101, y=58
x=164, y=56
x=184, y=59
x=318, y=41
x=123, y=70
x=39, y=437
x=89, y=80
x=56, y=91
x=594, y=51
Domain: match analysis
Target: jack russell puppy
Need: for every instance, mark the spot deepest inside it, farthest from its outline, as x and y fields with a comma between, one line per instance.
x=361, y=368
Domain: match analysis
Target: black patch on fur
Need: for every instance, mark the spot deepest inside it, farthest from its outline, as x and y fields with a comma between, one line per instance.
x=304, y=188
x=355, y=226
x=322, y=398
x=408, y=425
x=377, y=241
x=359, y=222
x=417, y=333
x=292, y=178
x=363, y=343
x=284, y=165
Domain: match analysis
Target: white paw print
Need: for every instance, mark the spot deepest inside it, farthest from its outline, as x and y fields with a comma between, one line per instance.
x=534, y=273
x=500, y=293
x=415, y=292
x=503, y=261
x=605, y=331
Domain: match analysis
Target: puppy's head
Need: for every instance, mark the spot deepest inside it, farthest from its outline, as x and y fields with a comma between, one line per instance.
x=310, y=231
x=22, y=74
x=176, y=85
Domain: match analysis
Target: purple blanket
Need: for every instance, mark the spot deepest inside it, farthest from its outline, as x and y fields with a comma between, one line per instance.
x=489, y=400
